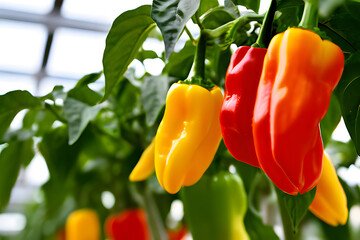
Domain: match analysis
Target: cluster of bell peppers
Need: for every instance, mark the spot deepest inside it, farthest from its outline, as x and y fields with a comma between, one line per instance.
x=269, y=118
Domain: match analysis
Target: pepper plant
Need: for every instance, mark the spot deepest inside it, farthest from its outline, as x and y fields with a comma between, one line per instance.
x=268, y=179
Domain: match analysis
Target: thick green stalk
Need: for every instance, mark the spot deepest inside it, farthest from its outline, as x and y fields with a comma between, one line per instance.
x=309, y=19
x=199, y=69
x=265, y=32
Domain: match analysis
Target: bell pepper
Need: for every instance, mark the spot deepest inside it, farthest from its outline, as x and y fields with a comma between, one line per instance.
x=241, y=83
x=329, y=204
x=215, y=206
x=82, y=224
x=299, y=74
x=130, y=224
x=188, y=135
x=145, y=166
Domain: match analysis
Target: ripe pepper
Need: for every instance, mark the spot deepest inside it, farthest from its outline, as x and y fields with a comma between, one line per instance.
x=329, y=204
x=188, y=135
x=214, y=207
x=145, y=166
x=130, y=224
x=299, y=74
x=241, y=83
x=82, y=224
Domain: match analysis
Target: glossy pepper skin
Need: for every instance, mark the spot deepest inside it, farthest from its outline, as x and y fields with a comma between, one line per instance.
x=188, y=135
x=299, y=74
x=145, y=166
x=241, y=83
x=215, y=207
x=330, y=203
x=82, y=224
x=130, y=224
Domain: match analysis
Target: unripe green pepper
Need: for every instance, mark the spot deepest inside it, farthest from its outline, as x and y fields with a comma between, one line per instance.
x=215, y=207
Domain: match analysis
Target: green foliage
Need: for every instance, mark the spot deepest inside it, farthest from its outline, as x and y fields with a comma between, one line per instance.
x=11, y=103
x=331, y=120
x=171, y=17
x=296, y=206
x=250, y=4
x=11, y=158
x=153, y=95
x=91, y=140
x=124, y=39
x=349, y=98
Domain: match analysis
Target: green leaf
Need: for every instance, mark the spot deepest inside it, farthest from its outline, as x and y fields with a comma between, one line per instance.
x=331, y=120
x=146, y=54
x=83, y=93
x=256, y=229
x=296, y=205
x=59, y=156
x=347, y=92
x=281, y=4
x=78, y=115
x=183, y=58
x=125, y=37
x=171, y=17
x=342, y=154
x=205, y=5
x=216, y=18
x=11, y=158
x=13, y=102
x=343, y=28
x=326, y=7
x=249, y=4
x=153, y=96
x=231, y=8
x=55, y=193
x=219, y=60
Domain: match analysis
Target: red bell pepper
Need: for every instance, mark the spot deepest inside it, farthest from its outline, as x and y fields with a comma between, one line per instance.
x=241, y=83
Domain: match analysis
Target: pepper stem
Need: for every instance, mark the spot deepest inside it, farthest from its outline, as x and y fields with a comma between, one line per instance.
x=265, y=32
x=199, y=69
x=309, y=19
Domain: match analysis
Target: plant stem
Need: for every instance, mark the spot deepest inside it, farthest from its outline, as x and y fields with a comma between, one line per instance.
x=190, y=35
x=199, y=69
x=157, y=227
x=55, y=112
x=309, y=19
x=265, y=32
x=198, y=21
x=289, y=234
x=241, y=22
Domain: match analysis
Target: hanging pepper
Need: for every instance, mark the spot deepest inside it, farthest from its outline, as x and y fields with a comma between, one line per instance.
x=214, y=207
x=329, y=204
x=130, y=224
x=188, y=135
x=82, y=224
x=241, y=83
x=299, y=74
x=145, y=166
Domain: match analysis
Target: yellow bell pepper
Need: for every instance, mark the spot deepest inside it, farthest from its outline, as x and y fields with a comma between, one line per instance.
x=188, y=136
x=329, y=204
x=145, y=166
x=82, y=224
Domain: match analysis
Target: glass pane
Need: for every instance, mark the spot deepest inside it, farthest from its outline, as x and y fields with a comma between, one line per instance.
x=21, y=46
x=33, y=6
x=10, y=82
x=99, y=11
x=76, y=52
